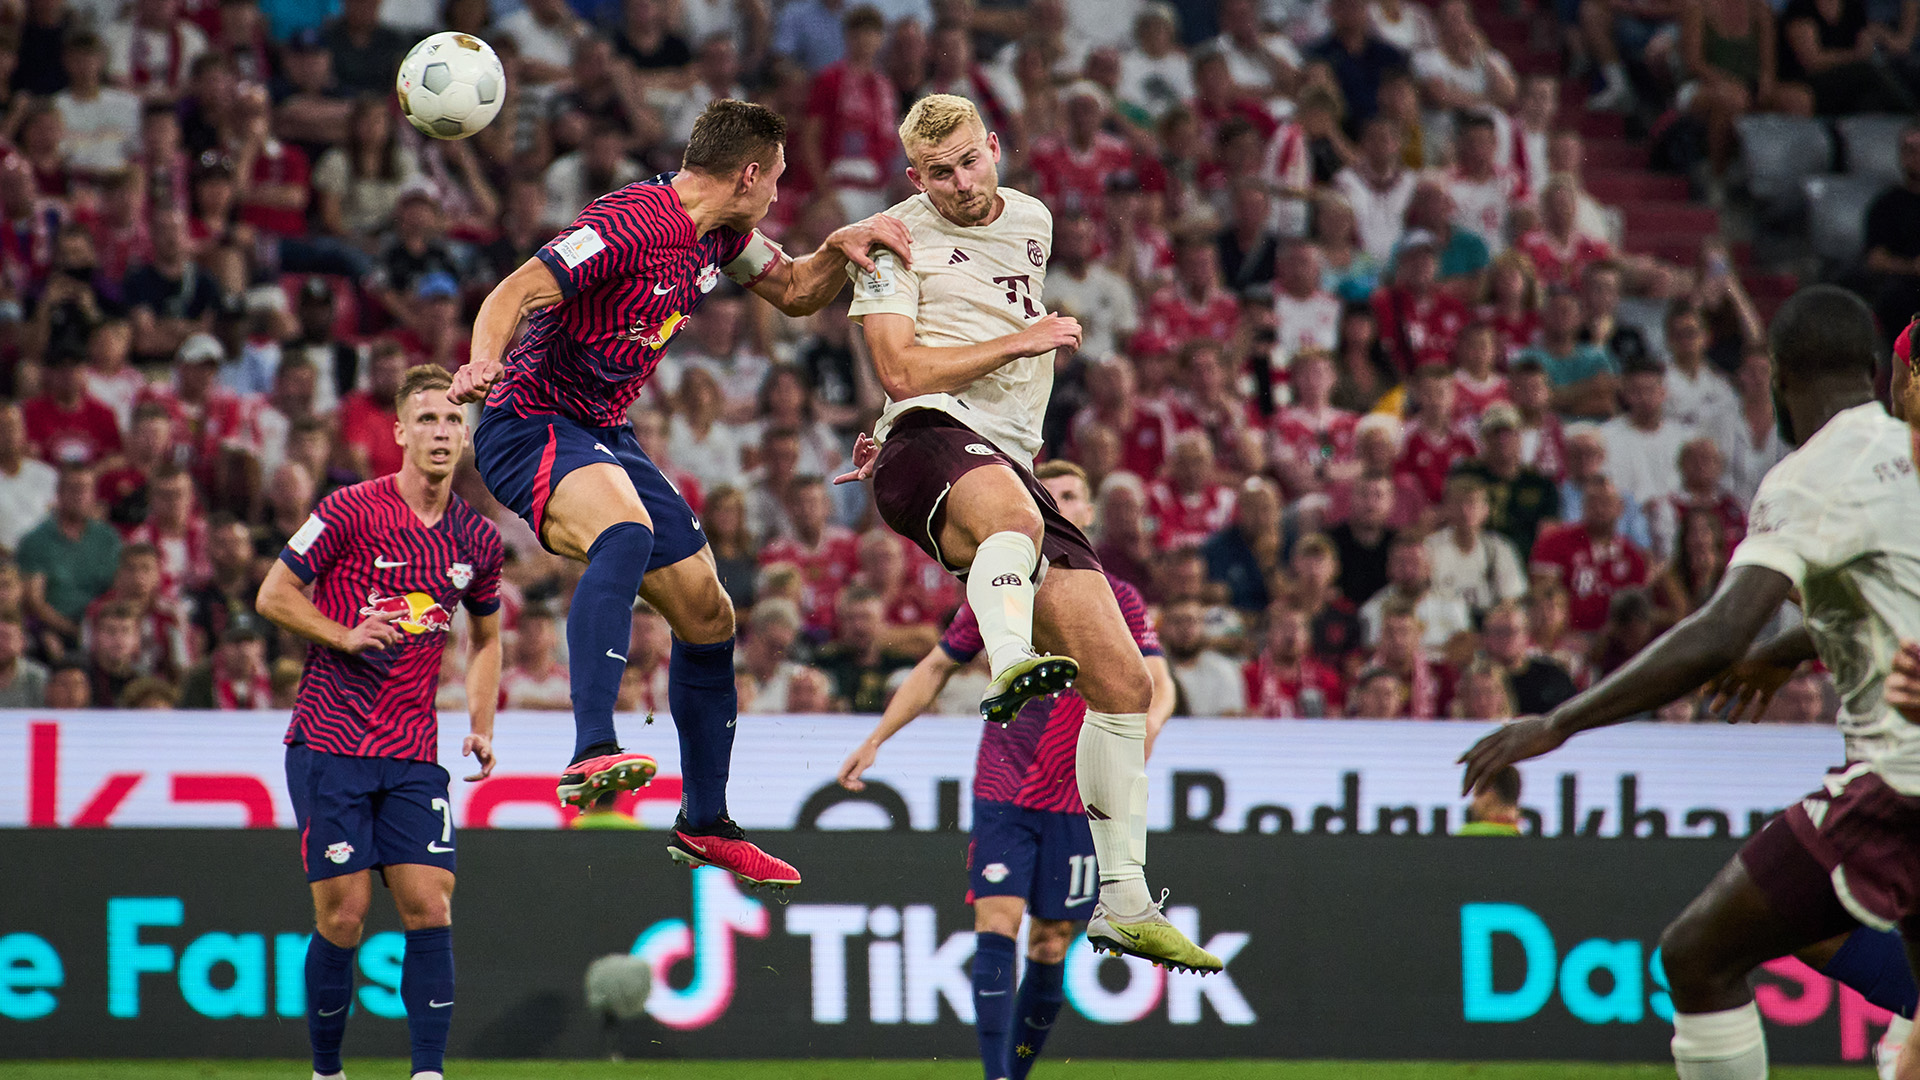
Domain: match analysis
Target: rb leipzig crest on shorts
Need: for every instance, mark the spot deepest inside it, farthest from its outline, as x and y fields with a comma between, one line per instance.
x=339, y=853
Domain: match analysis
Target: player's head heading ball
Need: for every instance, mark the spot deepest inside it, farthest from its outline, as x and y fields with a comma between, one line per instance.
x=1823, y=336
x=952, y=157
x=744, y=143
x=430, y=428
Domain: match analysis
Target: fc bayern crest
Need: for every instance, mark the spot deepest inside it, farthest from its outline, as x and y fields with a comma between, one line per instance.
x=460, y=574
x=1034, y=252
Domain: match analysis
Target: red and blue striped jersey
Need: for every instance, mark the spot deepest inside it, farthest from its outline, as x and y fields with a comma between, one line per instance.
x=365, y=550
x=631, y=273
x=1029, y=762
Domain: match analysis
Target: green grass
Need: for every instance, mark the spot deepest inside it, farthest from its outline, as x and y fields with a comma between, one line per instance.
x=358, y=1069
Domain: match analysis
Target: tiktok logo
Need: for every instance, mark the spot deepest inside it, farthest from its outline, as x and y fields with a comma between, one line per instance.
x=719, y=912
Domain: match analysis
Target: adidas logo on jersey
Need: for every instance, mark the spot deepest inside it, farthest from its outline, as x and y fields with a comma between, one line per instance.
x=958, y=257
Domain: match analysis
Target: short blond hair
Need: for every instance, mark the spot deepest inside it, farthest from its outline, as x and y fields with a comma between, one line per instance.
x=935, y=117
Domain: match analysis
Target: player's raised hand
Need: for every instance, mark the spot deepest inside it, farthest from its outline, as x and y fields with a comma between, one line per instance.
x=1903, y=685
x=480, y=749
x=1050, y=332
x=856, y=240
x=1527, y=737
x=376, y=631
x=473, y=380
x=865, y=453
x=1747, y=688
x=857, y=762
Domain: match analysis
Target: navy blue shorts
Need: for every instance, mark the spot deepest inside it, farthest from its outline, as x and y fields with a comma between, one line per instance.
x=1039, y=856
x=356, y=813
x=523, y=458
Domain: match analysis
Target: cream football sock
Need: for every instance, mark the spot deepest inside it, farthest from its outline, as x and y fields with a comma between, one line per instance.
x=1728, y=1045
x=1111, y=760
x=1000, y=588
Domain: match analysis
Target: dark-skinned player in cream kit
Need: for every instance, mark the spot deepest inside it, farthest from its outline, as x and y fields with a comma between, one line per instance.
x=372, y=580
x=964, y=348
x=602, y=301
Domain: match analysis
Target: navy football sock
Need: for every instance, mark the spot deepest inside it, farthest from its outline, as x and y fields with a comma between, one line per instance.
x=1874, y=962
x=1042, y=993
x=701, y=694
x=329, y=993
x=993, y=999
x=599, y=626
x=426, y=989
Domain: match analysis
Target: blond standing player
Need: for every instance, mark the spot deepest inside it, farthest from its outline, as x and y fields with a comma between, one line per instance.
x=964, y=349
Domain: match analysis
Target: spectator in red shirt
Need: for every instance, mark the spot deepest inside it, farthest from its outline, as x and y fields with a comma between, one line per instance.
x=119, y=226
x=1313, y=442
x=1074, y=165
x=1703, y=469
x=1511, y=304
x=1399, y=651
x=1543, y=442
x=1434, y=442
x=273, y=175
x=64, y=425
x=150, y=449
x=177, y=529
x=1418, y=320
x=209, y=418
x=1476, y=385
x=1587, y=559
x=847, y=140
x=1145, y=432
x=367, y=416
x=1195, y=306
x=910, y=611
x=1560, y=252
x=161, y=644
x=1285, y=680
x=825, y=554
x=1189, y=503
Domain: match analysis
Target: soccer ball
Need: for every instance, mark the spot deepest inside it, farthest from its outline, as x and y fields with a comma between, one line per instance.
x=451, y=85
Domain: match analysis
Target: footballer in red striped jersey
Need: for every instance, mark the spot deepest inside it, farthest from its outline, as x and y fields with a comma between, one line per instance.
x=372, y=580
x=1031, y=845
x=602, y=301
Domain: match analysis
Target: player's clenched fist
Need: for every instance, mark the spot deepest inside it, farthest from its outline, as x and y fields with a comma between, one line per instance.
x=473, y=380
x=1049, y=333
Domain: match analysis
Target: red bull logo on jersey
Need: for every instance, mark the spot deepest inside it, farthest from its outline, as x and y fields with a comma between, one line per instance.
x=419, y=613
x=654, y=337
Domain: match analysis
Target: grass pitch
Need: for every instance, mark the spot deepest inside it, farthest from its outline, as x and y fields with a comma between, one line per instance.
x=1067, y=1069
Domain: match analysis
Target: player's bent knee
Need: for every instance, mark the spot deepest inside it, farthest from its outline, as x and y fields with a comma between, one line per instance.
x=1116, y=688
x=1047, y=940
x=1693, y=969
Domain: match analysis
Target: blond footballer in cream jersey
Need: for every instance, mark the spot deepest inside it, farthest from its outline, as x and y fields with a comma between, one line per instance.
x=971, y=284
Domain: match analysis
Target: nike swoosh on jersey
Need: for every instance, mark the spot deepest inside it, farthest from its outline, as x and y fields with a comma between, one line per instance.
x=386, y=564
x=616, y=656
x=437, y=849
x=439, y=1004
x=658, y=291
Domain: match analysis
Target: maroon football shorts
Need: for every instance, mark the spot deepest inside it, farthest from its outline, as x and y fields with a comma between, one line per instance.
x=925, y=454
x=1849, y=850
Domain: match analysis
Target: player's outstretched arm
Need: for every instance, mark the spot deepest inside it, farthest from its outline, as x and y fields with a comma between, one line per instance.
x=804, y=285
x=1699, y=647
x=908, y=370
x=283, y=600
x=519, y=295
x=483, y=690
x=915, y=696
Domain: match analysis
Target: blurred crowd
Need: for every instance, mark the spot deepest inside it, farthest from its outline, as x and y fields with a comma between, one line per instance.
x=1377, y=411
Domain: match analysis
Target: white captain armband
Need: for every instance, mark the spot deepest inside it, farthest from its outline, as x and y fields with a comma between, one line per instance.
x=755, y=261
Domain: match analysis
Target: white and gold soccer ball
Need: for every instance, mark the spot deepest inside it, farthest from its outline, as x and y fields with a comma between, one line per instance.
x=451, y=85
